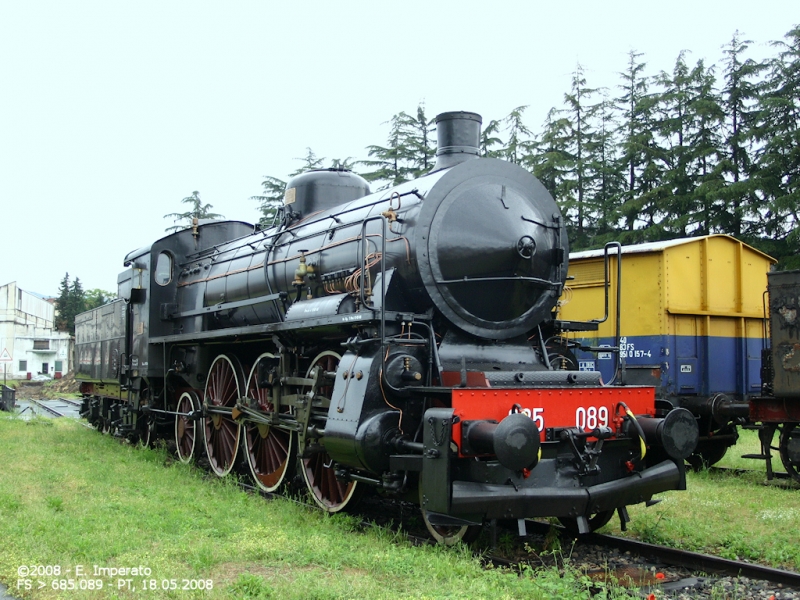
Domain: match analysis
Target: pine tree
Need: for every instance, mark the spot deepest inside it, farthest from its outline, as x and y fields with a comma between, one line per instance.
x=489, y=140
x=271, y=200
x=688, y=149
x=706, y=151
x=410, y=151
x=310, y=163
x=519, y=144
x=198, y=211
x=577, y=199
x=672, y=124
x=606, y=181
x=419, y=148
x=75, y=305
x=778, y=160
x=61, y=304
x=639, y=206
x=71, y=302
x=387, y=164
x=550, y=161
x=739, y=100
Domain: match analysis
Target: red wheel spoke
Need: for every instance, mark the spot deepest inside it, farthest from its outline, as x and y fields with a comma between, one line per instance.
x=221, y=432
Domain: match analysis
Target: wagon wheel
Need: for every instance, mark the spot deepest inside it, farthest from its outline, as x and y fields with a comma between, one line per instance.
x=789, y=448
x=450, y=535
x=186, y=427
x=268, y=449
x=707, y=455
x=596, y=521
x=222, y=433
x=318, y=470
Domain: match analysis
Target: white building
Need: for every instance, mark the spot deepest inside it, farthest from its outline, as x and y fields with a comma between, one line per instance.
x=28, y=335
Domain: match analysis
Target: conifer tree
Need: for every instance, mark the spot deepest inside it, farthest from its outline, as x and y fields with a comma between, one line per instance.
x=519, y=143
x=778, y=130
x=71, y=302
x=270, y=200
x=490, y=139
x=419, y=147
x=410, y=151
x=606, y=181
x=706, y=151
x=638, y=154
x=198, y=210
x=739, y=101
x=576, y=196
x=387, y=161
x=61, y=303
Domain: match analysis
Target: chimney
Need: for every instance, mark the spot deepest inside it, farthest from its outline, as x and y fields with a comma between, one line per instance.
x=458, y=138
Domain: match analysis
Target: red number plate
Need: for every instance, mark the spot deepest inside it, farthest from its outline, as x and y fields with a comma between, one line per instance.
x=584, y=408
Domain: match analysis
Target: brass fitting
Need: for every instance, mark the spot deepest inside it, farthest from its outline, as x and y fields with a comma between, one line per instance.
x=301, y=270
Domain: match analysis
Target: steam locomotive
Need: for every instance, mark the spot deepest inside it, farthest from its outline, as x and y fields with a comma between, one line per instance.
x=403, y=341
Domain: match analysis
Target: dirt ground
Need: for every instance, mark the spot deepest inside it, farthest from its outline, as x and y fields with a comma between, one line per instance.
x=41, y=390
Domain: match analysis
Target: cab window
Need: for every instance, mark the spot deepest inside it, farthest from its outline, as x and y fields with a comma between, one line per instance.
x=164, y=269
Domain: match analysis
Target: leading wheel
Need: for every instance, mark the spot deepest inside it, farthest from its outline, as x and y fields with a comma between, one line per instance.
x=318, y=470
x=790, y=449
x=268, y=449
x=185, y=426
x=450, y=535
x=222, y=433
x=596, y=521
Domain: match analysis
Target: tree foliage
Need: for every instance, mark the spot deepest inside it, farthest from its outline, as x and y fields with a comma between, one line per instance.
x=96, y=297
x=409, y=152
x=198, y=211
x=693, y=150
x=71, y=301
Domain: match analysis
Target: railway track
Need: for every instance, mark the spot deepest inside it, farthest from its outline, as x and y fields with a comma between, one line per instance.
x=56, y=407
x=738, y=472
x=48, y=408
x=644, y=560
x=686, y=559
x=68, y=401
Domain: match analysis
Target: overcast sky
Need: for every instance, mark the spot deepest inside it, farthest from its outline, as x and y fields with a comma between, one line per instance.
x=111, y=112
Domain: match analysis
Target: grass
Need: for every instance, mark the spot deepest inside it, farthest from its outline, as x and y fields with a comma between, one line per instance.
x=737, y=517
x=70, y=497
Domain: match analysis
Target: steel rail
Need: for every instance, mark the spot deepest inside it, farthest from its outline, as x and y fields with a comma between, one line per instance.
x=697, y=561
x=675, y=557
x=68, y=401
x=49, y=409
x=738, y=472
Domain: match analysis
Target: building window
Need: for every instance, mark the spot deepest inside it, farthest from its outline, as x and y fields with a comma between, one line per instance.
x=59, y=365
x=23, y=365
x=41, y=344
x=164, y=269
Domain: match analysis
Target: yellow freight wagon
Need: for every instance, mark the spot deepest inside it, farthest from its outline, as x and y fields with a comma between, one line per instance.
x=692, y=314
x=692, y=325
